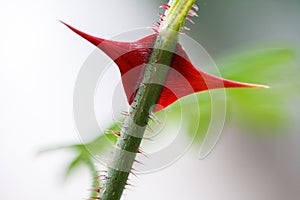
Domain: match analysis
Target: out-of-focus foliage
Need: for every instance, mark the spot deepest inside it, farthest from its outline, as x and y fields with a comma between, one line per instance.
x=266, y=108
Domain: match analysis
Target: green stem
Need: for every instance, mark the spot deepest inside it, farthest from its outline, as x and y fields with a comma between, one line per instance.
x=147, y=95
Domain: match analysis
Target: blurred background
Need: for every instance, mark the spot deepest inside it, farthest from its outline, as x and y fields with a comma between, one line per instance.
x=257, y=156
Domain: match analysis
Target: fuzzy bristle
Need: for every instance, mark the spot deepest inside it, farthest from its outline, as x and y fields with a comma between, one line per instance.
x=164, y=6
x=97, y=190
x=114, y=132
x=95, y=198
x=195, y=7
x=125, y=113
x=138, y=162
x=154, y=118
x=148, y=128
x=186, y=28
x=190, y=20
x=193, y=13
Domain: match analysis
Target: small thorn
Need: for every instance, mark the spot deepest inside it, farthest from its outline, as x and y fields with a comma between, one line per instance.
x=128, y=183
x=193, y=13
x=125, y=113
x=190, y=20
x=154, y=118
x=155, y=30
x=195, y=7
x=115, y=132
x=162, y=16
x=95, y=190
x=138, y=162
x=146, y=138
x=133, y=169
x=148, y=128
x=164, y=6
x=140, y=151
x=121, y=138
x=186, y=28
x=131, y=172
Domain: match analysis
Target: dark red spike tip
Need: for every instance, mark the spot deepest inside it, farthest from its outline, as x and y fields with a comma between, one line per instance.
x=94, y=40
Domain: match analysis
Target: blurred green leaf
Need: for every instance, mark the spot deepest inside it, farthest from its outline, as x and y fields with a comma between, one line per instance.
x=262, y=108
x=73, y=165
x=256, y=65
x=86, y=152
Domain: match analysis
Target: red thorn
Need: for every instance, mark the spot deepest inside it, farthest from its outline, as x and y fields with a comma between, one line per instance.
x=94, y=40
x=164, y=6
x=183, y=80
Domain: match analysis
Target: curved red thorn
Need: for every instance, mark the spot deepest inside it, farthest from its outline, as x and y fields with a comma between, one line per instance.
x=94, y=40
x=183, y=78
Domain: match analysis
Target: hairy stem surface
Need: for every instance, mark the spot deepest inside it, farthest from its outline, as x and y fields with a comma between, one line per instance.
x=147, y=95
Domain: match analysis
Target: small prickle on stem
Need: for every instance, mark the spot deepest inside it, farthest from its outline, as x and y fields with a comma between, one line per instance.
x=192, y=13
x=190, y=20
x=97, y=190
x=125, y=113
x=186, y=28
x=148, y=128
x=195, y=7
x=153, y=117
x=164, y=6
x=114, y=132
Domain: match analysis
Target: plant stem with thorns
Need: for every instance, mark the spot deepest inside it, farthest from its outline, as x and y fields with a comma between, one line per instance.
x=146, y=97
